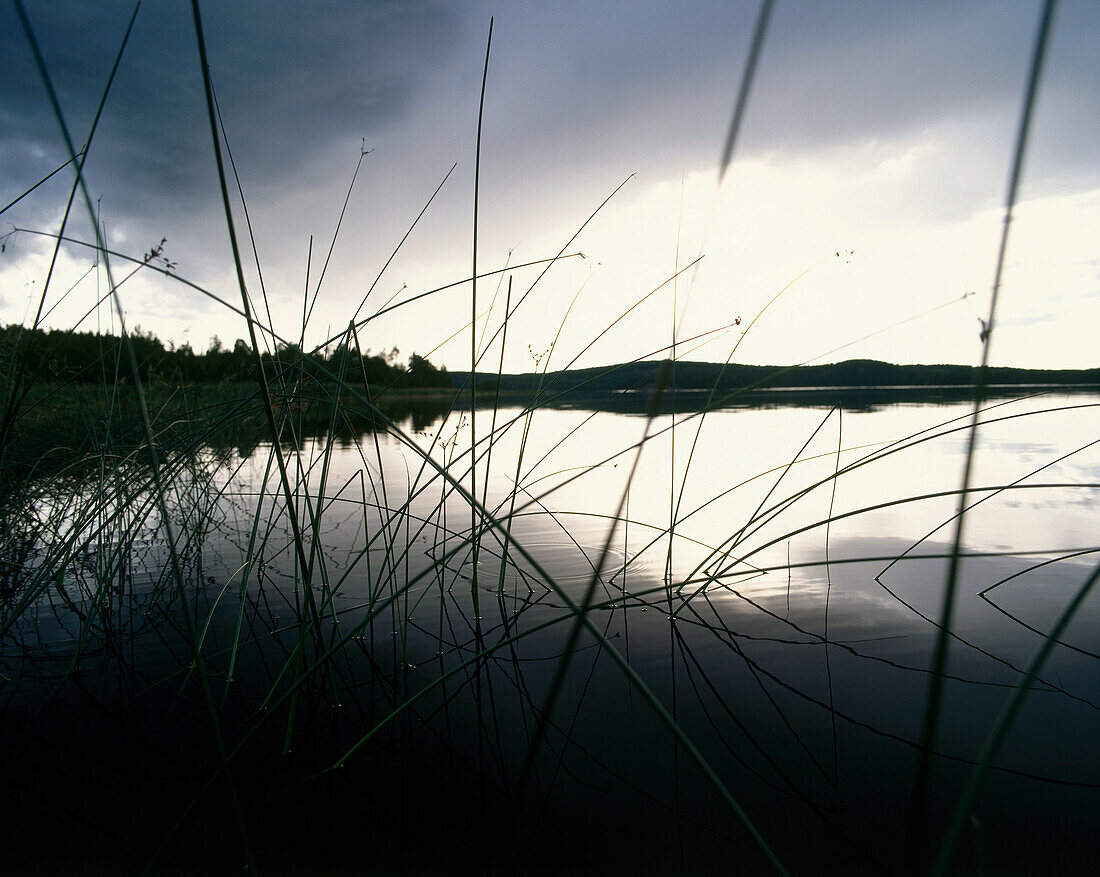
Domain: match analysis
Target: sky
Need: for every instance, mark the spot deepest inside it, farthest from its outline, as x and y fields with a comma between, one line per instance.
x=860, y=216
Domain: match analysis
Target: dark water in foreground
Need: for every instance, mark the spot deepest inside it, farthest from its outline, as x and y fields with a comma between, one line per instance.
x=394, y=728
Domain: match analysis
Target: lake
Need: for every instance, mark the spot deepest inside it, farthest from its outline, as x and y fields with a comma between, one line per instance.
x=394, y=680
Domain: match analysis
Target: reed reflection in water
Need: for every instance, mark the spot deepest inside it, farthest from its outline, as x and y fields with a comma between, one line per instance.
x=772, y=582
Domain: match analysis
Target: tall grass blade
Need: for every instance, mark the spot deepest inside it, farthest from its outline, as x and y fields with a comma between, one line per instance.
x=939, y=659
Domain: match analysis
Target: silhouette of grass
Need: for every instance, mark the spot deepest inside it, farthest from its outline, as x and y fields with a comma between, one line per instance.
x=198, y=562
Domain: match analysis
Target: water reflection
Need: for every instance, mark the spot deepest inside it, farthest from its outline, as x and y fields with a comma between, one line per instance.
x=777, y=596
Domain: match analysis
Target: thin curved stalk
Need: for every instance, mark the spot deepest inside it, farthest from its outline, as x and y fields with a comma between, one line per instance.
x=939, y=658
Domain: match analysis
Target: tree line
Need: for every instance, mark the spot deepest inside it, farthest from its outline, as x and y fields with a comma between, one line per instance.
x=94, y=357
x=700, y=376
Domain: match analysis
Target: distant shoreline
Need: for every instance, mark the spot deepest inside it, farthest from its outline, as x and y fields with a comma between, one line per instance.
x=683, y=401
x=856, y=374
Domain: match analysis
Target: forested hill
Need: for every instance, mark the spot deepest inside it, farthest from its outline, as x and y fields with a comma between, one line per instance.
x=92, y=357
x=705, y=375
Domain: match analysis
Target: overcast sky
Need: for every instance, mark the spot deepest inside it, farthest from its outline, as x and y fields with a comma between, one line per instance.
x=878, y=130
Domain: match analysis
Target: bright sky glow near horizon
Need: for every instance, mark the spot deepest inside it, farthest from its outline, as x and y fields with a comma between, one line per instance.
x=880, y=130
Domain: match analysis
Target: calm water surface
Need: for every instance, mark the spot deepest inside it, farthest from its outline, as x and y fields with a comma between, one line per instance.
x=786, y=625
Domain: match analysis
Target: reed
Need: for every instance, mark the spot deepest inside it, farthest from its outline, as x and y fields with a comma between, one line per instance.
x=318, y=603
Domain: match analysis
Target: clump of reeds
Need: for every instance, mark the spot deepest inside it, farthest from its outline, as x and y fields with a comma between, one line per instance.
x=311, y=660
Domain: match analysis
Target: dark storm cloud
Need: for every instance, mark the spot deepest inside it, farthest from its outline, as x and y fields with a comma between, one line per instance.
x=289, y=77
x=580, y=95
x=851, y=70
x=830, y=73
x=580, y=88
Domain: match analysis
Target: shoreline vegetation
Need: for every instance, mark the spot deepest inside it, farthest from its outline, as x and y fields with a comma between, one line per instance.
x=713, y=376
x=66, y=393
x=61, y=356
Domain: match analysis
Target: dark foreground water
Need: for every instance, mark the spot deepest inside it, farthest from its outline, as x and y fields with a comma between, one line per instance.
x=380, y=712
